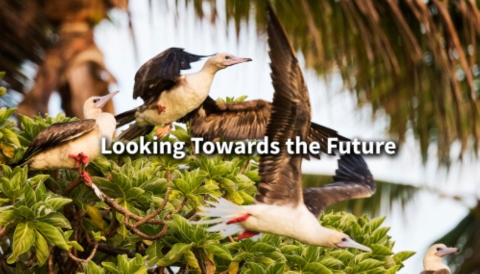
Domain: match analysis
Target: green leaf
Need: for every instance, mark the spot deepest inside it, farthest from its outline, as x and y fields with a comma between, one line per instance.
x=262, y=247
x=174, y=254
x=95, y=216
x=331, y=262
x=154, y=252
x=23, y=239
x=38, y=179
x=393, y=270
x=58, y=202
x=24, y=212
x=109, y=266
x=402, y=256
x=298, y=260
x=255, y=268
x=367, y=264
x=380, y=250
x=41, y=246
x=56, y=219
x=2, y=73
x=7, y=216
x=191, y=259
x=218, y=250
x=52, y=234
x=30, y=198
x=92, y=268
x=277, y=268
x=316, y=268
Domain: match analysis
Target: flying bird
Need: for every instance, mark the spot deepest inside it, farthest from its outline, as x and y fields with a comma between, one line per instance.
x=72, y=144
x=167, y=95
x=279, y=203
x=432, y=262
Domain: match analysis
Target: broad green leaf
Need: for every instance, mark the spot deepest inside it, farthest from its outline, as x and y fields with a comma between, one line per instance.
x=402, y=256
x=255, y=268
x=109, y=266
x=218, y=250
x=24, y=212
x=58, y=202
x=95, y=216
x=30, y=198
x=262, y=247
x=154, y=252
x=37, y=179
x=277, y=268
x=174, y=254
x=191, y=259
x=7, y=216
x=41, y=246
x=380, y=250
x=52, y=234
x=366, y=265
x=92, y=268
x=316, y=268
x=56, y=219
x=23, y=239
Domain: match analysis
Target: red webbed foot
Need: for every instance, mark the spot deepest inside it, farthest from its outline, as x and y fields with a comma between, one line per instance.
x=247, y=234
x=81, y=158
x=164, y=131
x=87, y=178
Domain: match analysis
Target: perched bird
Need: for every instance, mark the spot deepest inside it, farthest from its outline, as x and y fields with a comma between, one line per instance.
x=167, y=95
x=279, y=203
x=69, y=145
x=244, y=120
x=432, y=262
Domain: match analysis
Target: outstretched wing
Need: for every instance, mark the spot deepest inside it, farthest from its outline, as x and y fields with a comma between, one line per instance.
x=280, y=175
x=353, y=180
x=244, y=120
x=232, y=121
x=160, y=73
x=58, y=134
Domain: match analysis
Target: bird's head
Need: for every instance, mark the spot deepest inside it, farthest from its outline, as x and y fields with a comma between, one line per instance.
x=433, y=258
x=94, y=104
x=440, y=250
x=224, y=60
x=342, y=240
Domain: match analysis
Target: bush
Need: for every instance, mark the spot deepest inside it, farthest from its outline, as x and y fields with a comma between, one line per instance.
x=138, y=223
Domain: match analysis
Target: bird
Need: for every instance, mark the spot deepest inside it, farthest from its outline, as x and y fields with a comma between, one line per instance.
x=244, y=120
x=167, y=95
x=72, y=144
x=432, y=262
x=279, y=205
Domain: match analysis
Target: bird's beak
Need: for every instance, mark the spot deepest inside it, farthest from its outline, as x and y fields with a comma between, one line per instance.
x=104, y=99
x=446, y=251
x=236, y=60
x=352, y=244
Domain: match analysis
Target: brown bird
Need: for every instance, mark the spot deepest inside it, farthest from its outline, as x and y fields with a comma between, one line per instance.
x=432, y=262
x=279, y=203
x=167, y=95
x=72, y=144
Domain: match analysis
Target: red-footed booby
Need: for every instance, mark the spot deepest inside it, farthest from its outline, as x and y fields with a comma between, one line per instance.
x=279, y=203
x=69, y=145
x=432, y=262
x=167, y=95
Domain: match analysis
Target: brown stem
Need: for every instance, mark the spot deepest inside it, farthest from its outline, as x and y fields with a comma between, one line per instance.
x=155, y=213
x=143, y=235
x=72, y=185
x=94, y=250
x=105, y=248
x=4, y=231
x=31, y=261
x=50, y=263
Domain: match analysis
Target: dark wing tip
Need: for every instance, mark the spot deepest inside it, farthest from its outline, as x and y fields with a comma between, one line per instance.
x=353, y=168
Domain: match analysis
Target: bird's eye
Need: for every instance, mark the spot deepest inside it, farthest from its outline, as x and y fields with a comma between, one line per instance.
x=96, y=100
x=227, y=57
x=344, y=239
x=438, y=248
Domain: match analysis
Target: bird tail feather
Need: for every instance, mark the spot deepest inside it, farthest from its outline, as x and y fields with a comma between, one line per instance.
x=135, y=131
x=223, y=211
x=125, y=117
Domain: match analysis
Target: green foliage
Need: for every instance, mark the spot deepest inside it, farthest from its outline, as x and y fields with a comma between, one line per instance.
x=10, y=147
x=144, y=211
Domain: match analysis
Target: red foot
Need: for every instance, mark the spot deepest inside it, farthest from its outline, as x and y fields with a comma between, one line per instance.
x=161, y=109
x=81, y=158
x=247, y=234
x=239, y=219
x=164, y=131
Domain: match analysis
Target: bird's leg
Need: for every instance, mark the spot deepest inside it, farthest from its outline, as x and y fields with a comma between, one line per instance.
x=81, y=161
x=247, y=234
x=167, y=128
x=239, y=219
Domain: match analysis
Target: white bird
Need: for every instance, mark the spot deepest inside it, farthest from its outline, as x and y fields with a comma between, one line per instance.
x=69, y=145
x=167, y=95
x=432, y=262
x=279, y=203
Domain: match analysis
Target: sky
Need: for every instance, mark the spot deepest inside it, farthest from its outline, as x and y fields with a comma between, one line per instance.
x=426, y=219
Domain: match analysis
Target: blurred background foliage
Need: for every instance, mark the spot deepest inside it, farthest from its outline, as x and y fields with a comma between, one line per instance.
x=414, y=59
